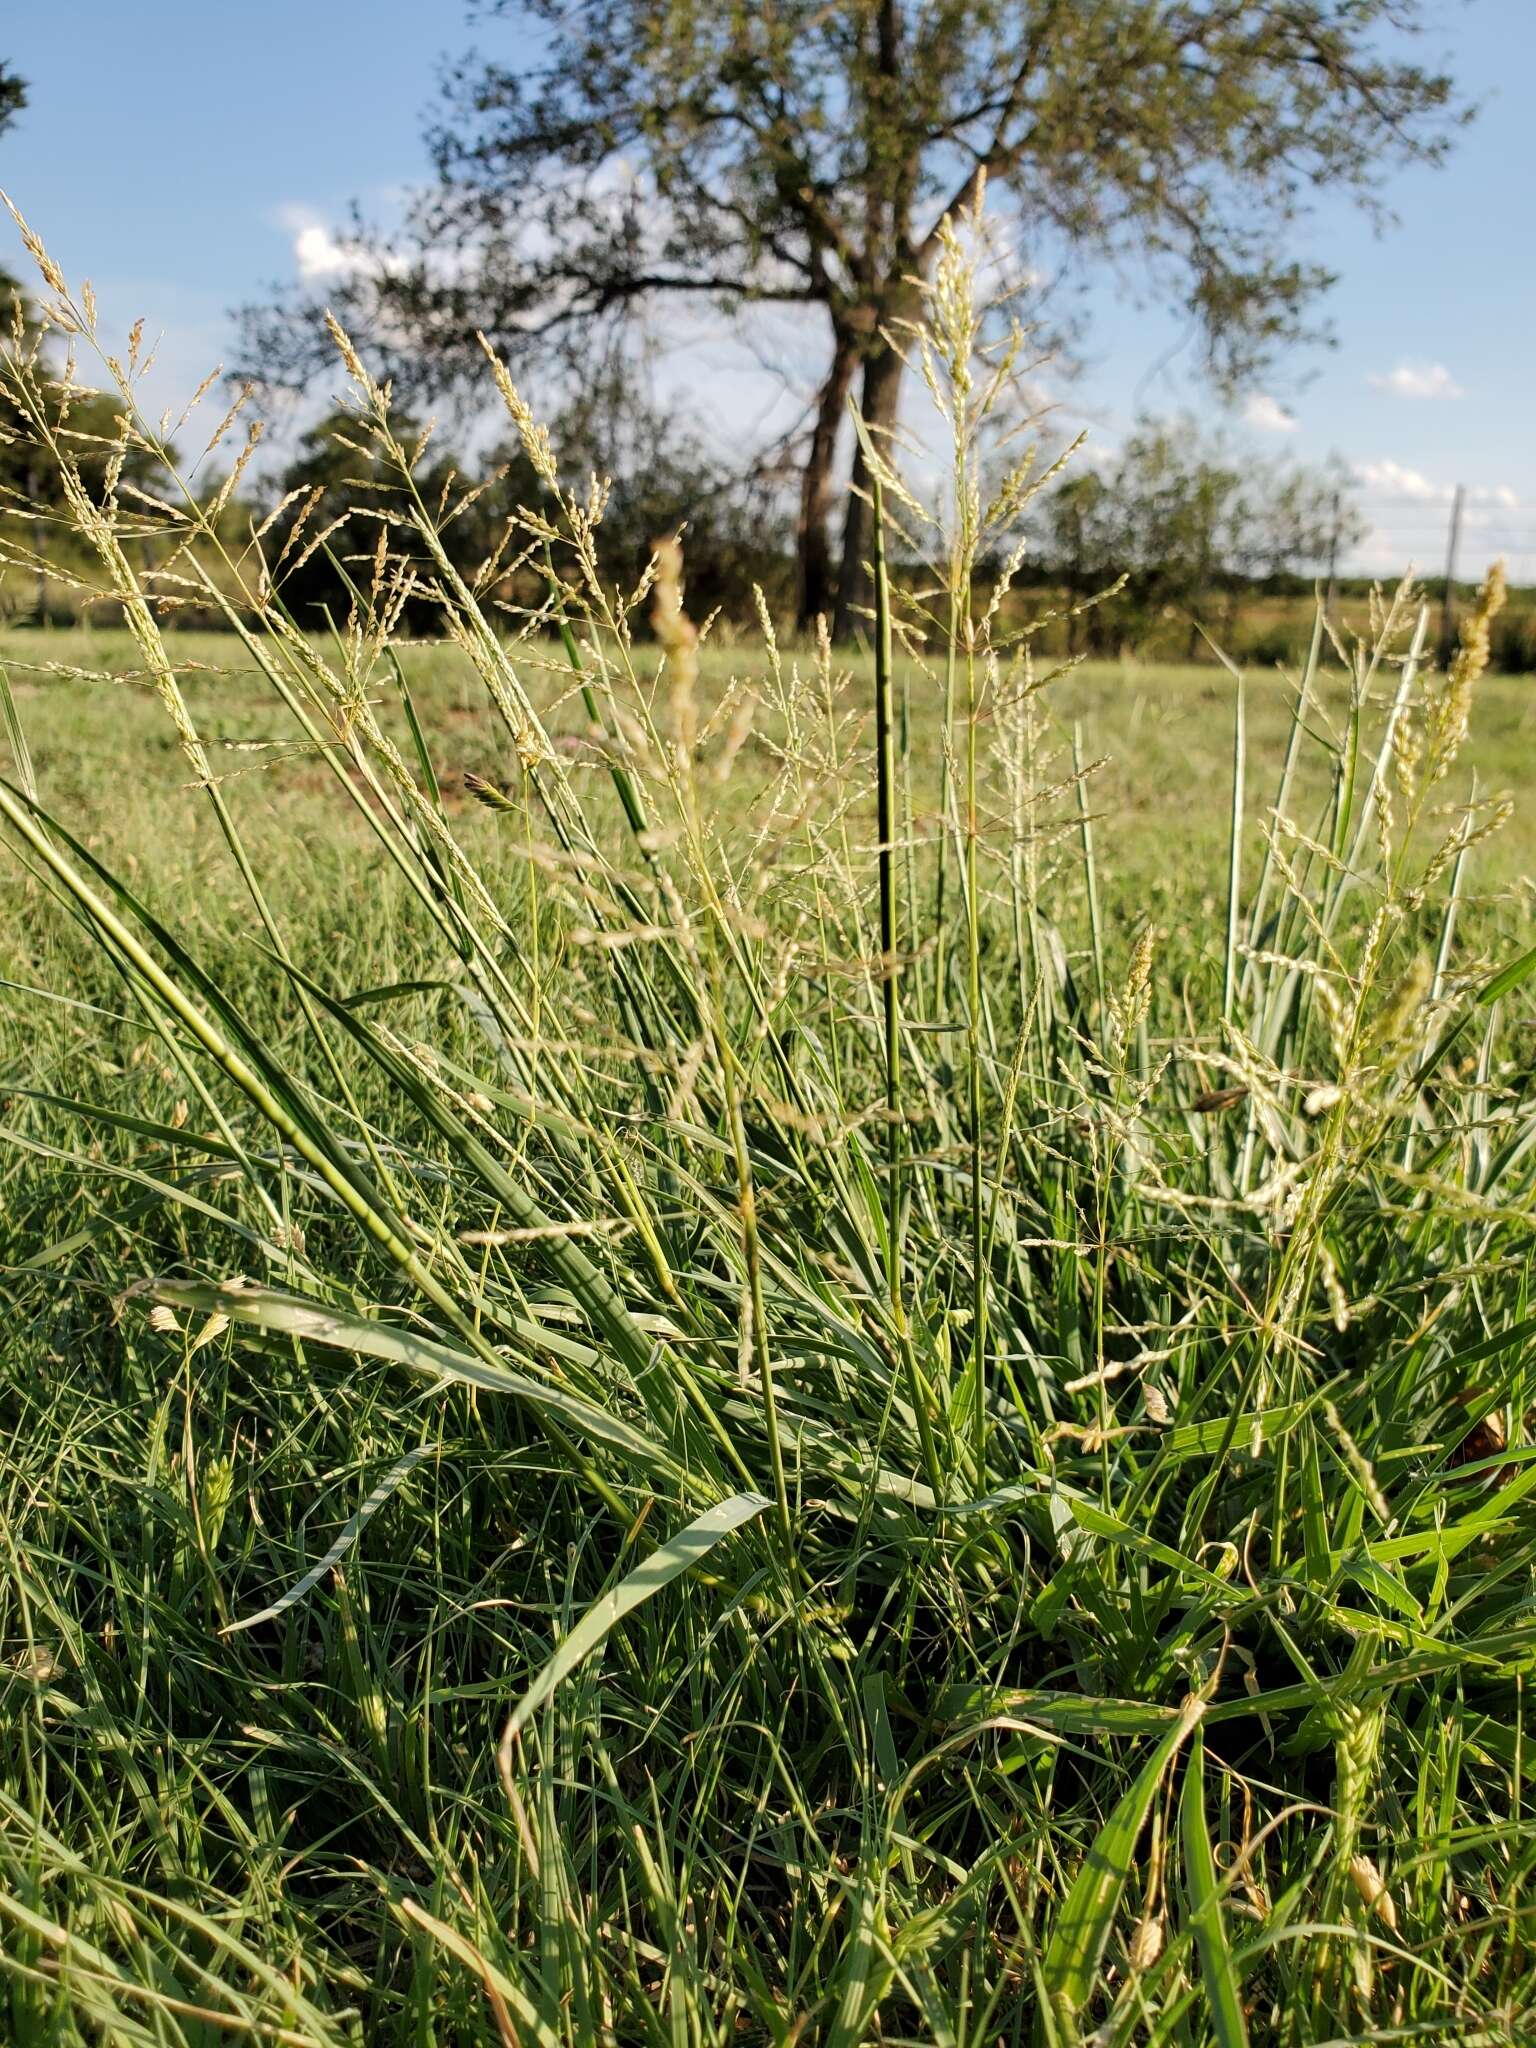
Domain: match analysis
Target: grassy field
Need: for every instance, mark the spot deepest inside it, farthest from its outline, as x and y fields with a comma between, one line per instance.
x=1160, y=739
x=699, y=1352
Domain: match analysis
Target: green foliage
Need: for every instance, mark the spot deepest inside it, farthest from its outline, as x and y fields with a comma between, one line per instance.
x=330, y=502
x=336, y=503
x=13, y=96
x=1515, y=642
x=1181, y=520
x=45, y=446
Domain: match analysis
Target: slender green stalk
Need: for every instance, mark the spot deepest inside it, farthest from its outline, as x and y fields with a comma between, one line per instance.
x=1229, y=965
x=890, y=958
x=1090, y=870
x=890, y=992
x=973, y=1054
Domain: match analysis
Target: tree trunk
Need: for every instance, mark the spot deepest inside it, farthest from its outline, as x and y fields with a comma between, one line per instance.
x=878, y=403
x=813, y=541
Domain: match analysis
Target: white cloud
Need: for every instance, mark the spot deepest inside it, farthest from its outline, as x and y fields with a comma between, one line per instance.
x=319, y=253
x=1268, y=414
x=1393, y=480
x=1501, y=495
x=1418, y=380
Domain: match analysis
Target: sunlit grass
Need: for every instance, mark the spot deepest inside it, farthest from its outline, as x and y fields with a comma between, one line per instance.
x=633, y=1414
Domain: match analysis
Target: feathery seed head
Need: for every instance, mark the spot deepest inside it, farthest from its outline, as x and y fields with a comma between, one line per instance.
x=679, y=639
x=534, y=437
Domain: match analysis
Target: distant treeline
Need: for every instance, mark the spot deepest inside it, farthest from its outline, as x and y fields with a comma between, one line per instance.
x=1170, y=544
x=1262, y=621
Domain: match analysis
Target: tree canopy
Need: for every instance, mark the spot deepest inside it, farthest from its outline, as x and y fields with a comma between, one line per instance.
x=35, y=522
x=13, y=96
x=803, y=153
x=1183, y=519
x=32, y=497
x=327, y=502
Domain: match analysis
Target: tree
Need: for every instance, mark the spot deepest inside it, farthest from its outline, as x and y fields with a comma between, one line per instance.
x=804, y=152
x=326, y=504
x=332, y=497
x=13, y=96
x=30, y=481
x=1183, y=519
x=35, y=446
x=665, y=477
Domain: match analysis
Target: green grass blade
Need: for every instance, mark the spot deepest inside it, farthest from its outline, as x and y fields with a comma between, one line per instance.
x=382, y=1492
x=1508, y=979
x=587, y=1282
x=20, y=753
x=318, y=1323
x=1229, y=967
x=667, y=1562
x=496, y=1981
x=1503, y=982
x=1070, y=1969
x=1216, y=1965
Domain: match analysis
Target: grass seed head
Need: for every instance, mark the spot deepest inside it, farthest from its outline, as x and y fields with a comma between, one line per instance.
x=1468, y=665
x=1371, y=1885
x=679, y=640
x=1147, y=1942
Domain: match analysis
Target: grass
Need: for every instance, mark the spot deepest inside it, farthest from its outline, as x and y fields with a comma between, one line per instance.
x=537, y=1509
x=1162, y=734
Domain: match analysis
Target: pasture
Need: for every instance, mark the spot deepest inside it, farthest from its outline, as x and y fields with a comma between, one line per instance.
x=1150, y=1670
x=1160, y=736
x=728, y=1335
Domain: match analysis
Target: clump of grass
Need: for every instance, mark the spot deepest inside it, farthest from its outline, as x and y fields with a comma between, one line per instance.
x=780, y=1430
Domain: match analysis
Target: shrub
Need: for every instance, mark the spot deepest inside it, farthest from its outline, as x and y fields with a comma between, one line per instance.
x=1514, y=644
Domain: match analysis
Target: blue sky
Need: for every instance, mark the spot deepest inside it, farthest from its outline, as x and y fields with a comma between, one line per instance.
x=182, y=156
